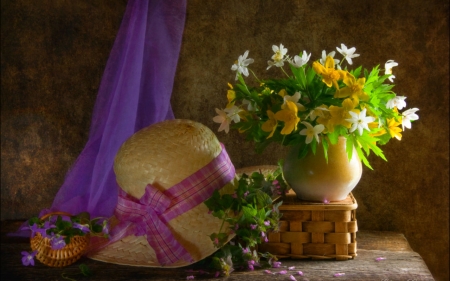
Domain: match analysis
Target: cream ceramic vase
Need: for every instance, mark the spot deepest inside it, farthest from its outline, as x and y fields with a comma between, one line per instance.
x=313, y=179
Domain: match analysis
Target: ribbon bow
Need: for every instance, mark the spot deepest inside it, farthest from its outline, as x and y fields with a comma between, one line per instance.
x=151, y=214
x=146, y=215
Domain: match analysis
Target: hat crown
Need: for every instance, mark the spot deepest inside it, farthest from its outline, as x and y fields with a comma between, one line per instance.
x=164, y=154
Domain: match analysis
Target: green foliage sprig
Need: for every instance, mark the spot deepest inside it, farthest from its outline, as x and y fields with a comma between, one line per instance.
x=249, y=214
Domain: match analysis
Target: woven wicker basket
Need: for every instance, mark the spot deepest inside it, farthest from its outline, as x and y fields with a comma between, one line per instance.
x=315, y=230
x=59, y=258
x=311, y=230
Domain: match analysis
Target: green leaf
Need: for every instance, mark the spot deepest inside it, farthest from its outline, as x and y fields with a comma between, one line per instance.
x=84, y=217
x=303, y=151
x=62, y=224
x=334, y=136
x=218, y=214
x=370, y=143
x=349, y=147
x=212, y=202
x=223, y=237
x=227, y=201
x=362, y=157
x=299, y=75
x=262, y=214
x=243, y=232
x=262, y=199
x=97, y=228
x=248, y=212
x=85, y=270
x=325, y=148
x=313, y=145
x=310, y=75
x=34, y=220
x=356, y=72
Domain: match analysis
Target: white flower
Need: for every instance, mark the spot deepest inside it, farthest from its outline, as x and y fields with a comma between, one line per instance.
x=240, y=66
x=278, y=57
x=388, y=69
x=294, y=98
x=300, y=61
x=250, y=106
x=223, y=119
x=348, y=53
x=311, y=132
x=233, y=113
x=408, y=116
x=360, y=121
x=317, y=112
x=330, y=54
x=397, y=101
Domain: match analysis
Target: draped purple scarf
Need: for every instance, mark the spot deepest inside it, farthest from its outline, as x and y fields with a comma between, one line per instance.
x=134, y=93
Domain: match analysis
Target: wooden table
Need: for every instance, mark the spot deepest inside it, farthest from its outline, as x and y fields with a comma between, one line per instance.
x=401, y=263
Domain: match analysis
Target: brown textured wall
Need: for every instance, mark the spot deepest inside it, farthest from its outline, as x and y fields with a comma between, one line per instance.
x=53, y=54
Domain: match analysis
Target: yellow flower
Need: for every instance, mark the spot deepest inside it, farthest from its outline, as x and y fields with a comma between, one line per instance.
x=289, y=116
x=375, y=125
x=339, y=114
x=271, y=124
x=323, y=117
x=354, y=89
x=282, y=93
x=393, y=129
x=231, y=95
x=330, y=76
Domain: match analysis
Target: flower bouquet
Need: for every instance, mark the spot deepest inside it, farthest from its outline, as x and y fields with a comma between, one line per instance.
x=317, y=103
x=59, y=239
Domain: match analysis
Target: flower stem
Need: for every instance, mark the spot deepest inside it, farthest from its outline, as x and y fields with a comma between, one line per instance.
x=257, y=79
x=223, y=220
x=285, y=72
x=306, y=86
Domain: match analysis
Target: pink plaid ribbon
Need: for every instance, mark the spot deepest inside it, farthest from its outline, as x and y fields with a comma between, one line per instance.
x=151, y=214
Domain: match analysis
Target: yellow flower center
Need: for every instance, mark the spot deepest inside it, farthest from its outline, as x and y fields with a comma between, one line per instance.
x=278, y=56
x=356, y=88
x=334, y=75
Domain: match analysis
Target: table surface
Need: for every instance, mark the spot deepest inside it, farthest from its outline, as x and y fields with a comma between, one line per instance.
x=400, y=263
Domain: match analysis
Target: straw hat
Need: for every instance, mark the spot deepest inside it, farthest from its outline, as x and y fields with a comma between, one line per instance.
x=163, y=155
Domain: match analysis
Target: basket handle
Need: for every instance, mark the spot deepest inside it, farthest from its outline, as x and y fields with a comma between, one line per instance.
x=55, y=213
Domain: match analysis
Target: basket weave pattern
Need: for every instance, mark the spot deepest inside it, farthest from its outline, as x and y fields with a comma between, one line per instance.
x=315, y=230
x=63, y=257
x=59, y=258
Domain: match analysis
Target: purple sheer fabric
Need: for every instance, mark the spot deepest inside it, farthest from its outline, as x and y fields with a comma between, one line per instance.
x=134, y=93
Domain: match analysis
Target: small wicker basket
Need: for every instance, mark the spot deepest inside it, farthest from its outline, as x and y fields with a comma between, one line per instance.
x=315, y=231
x=63, y=257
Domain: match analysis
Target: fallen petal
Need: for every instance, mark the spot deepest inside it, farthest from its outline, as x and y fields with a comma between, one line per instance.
x=340, y=274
